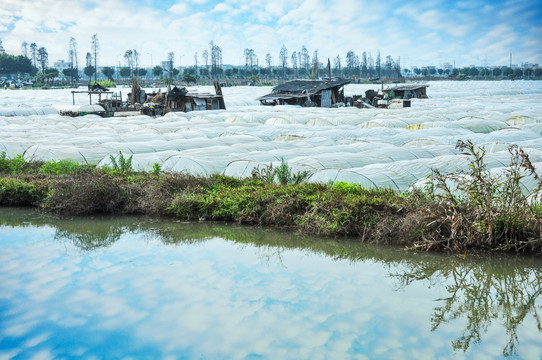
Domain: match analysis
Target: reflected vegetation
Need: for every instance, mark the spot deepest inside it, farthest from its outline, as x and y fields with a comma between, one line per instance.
x=481, y=290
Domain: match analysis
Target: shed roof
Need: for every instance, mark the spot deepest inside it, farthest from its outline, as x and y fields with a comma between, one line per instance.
x=407, y=87
x=310, y=86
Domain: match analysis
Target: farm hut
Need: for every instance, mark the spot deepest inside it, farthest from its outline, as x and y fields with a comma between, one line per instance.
x=317, y=93
x=408, y=91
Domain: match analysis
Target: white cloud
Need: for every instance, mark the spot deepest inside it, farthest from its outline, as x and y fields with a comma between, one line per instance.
x=180, y=8
x=188, y=26
x=222, y=7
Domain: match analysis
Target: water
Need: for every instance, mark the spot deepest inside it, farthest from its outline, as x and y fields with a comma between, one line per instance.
x=142, y=288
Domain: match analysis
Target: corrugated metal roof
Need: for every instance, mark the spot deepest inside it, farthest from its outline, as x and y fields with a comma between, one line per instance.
x=310, y=86
x=406, y=87
x=300, y=88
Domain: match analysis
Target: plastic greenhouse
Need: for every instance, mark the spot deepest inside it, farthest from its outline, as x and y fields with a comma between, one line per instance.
x=384, y=148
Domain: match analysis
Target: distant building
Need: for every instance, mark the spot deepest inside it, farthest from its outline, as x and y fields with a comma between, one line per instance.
x=447, y=66
x=61, y=65
x=166, y=65
x=2, y=51
x=528, y=65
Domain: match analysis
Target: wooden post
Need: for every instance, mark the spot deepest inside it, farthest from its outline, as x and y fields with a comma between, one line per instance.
x=218, y=91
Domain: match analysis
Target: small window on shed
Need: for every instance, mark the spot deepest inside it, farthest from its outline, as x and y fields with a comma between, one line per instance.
x=201, y=104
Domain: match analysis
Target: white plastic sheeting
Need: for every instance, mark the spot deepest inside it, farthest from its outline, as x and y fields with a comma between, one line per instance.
x=392, y=148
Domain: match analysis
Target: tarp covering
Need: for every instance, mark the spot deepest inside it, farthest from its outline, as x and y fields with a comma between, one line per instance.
x=390, y=148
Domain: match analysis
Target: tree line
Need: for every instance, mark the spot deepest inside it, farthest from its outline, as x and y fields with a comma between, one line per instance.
x=208, y=64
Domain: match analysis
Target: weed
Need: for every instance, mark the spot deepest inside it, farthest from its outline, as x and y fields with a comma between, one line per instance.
x=18, y=192
x=12, y=166
x=283, y=174
x=123, y=165
x=61, y=167
x=475, y=208
x=3, y=163
x=156, y=168
x=458, y=211
x=265, y=174
x=88, y=194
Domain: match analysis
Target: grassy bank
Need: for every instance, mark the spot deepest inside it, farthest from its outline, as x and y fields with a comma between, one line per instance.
x=455, y=212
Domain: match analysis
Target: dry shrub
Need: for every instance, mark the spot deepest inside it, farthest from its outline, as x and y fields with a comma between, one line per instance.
x=476, y=209
x=402, y=228
x=158, y=193
x=284, y=211
x=88, y=193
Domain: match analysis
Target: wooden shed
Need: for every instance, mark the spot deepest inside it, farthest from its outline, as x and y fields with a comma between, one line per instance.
x=408, y=91
x=319, y=93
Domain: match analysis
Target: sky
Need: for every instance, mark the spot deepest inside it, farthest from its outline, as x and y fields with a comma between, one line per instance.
x=420, y=32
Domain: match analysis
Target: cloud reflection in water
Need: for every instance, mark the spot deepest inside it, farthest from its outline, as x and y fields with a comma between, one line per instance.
x=146, y=294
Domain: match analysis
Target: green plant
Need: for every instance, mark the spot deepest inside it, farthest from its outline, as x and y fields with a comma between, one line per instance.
x=18, y=192
x=283, y=172
x=14, y=166
x=107, y=83
x=60, y=167
x=156, y=168
x=475, y=208
x=265, y=174
x=123, y=165
x=3, y=163
x=285, y=176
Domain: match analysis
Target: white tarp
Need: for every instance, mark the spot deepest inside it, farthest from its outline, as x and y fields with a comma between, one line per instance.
x=374, y=147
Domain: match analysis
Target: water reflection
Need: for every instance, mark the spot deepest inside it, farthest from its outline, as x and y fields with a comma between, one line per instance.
x=480, y=292
x=264, y=293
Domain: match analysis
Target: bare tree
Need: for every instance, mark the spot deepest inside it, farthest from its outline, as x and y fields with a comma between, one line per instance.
x=305, y=58
x=73, y=53
x=136, y=62
x=24, y=49
x=378, y=65
x=216, y=60
x=95, y=45
x=205, y=56
x=34, y=53
x=129, y=60
x=246, y=53
x=283, y=59
x=337, y=65
x=170, y=61
x=196, y=62
x=315, y=64
x=364, y=67
x=350, y=62
x=294, y=62
x=370, y=65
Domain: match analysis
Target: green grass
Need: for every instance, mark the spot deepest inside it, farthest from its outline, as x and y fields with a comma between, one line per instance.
x=478, y=212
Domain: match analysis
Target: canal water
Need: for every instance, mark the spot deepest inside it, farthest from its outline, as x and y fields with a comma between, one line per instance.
x=126, y=287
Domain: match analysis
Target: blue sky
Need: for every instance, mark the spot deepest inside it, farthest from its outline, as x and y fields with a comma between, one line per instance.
x=479, y=32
